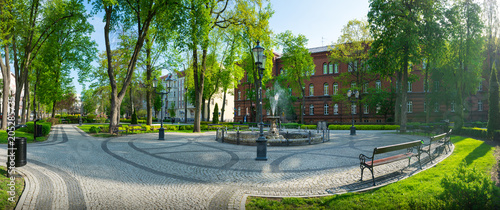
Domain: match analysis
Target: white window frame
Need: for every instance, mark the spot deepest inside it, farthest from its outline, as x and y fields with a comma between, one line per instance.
x=410, y=106
x=325, y=109
x=311, y=109
x=326, y=90
x=336, y=109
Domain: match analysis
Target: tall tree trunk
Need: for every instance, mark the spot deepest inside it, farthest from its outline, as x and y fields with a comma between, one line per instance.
x=223, y=107
x=26, y=104
x=149, y=71
x=302, y=106
x=54, y=109
x=5, y=68
x=208, y=109
x=185, y=106
x=397, y=106
x=426, y=91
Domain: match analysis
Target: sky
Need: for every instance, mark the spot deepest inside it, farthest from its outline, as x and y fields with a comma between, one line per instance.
x=321, y=21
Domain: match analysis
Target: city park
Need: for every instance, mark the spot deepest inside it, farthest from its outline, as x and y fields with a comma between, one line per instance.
x=79, y=159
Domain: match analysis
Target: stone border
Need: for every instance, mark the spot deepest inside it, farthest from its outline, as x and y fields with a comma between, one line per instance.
x=400, y=177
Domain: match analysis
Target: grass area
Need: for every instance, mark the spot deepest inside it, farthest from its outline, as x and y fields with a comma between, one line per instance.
x=29, y=136
x=460, y=180
x=5, y=188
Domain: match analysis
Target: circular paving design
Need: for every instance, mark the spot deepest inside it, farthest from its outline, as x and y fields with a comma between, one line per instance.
x=72, y=170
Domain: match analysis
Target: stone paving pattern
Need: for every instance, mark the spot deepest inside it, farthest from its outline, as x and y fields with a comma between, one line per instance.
x=73, y=170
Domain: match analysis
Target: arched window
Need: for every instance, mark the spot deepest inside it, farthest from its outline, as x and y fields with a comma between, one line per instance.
x=336, y=68
x=378, y=84
x=325, y=89
x=325, y=108
x=335, y=88
x=311, y=109
x=311, y=90
x=336, y=109
x=330, y=68
x=325, y=70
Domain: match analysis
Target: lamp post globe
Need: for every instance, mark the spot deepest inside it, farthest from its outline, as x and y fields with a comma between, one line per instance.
x=260, y=59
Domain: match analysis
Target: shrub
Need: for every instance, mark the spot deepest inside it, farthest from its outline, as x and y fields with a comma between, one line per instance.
x=90, y=117
x=472, y=132
x=308, y=126
x=147, y=127
x=104, y=128
x=364, y=127
x=94, y=129
x=54, y=121
x=215, y=117
x=291, y=125
x=172, y=127
x=134, y=118
x=468, y=189
x=30, y=127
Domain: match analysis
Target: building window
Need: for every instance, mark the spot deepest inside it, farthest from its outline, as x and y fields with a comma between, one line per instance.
x=355, y=65
x=436, y=86
x=410, y=88
x=325, y=69
x=378, y=84
x=335, y=88
x=365, y=109
x=311, y=109
x=436, y=107
x=311, y=90
x=325, y=109
x=325, y=89
x=353, y=109
x=330, y=68
x=281, y=70
x=349, y=66
x=239, y=94
x=410, y=106
x=365, y=88
x=336, y=68
x=480, y=105
x=424, y=63
x=378, y=109
x=336, y=109
x=452, y=107
x=353, y=84
x=239, y=111
x=425, y=106
x=480, y=86
x=246, y=112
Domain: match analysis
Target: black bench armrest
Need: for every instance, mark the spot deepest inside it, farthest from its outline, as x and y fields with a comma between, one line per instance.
x=363, y=158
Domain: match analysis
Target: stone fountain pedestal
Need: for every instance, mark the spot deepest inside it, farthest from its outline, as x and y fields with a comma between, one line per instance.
x=273, y=132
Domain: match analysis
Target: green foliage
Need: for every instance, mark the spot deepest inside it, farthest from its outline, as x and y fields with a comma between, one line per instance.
x=494, y=110
x=215, y=117
x=94, y=129
x=469, y=188
x=134, y=118
x=310, y=127
x=479, y=133
x=364, y=127
x=5, y=188
x=46, y=127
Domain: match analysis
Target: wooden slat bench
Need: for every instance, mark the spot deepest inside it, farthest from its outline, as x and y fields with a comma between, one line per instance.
x=118, y=129
x=441, y=140
x=409, y=146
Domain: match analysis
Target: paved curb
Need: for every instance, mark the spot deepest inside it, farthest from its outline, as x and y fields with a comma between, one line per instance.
x=403, y=177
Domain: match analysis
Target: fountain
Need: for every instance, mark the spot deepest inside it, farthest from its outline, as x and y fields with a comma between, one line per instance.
x=273, y=136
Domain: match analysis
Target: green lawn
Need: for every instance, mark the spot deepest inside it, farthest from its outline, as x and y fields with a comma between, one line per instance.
x=29, y=136
x=440, y=187
x=5, y=187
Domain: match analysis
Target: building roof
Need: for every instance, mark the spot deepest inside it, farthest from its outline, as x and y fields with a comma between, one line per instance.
x=319, y=49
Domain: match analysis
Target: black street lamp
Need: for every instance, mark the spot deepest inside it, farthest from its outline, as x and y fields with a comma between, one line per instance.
x=169, y=80
x=260, y=62
x=353, y=96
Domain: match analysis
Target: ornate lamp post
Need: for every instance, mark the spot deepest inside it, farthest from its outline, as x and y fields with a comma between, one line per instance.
x=169, y=80
x=353, y=96
x=260, y=62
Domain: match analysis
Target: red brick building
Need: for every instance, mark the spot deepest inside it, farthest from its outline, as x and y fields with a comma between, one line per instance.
x=324, y=83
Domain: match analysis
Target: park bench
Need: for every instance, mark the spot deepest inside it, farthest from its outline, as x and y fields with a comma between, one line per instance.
x=439, y=141
x=118, y=129
x=390, y=148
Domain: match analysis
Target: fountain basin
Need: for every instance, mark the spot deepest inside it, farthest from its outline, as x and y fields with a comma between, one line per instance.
x=284, y=139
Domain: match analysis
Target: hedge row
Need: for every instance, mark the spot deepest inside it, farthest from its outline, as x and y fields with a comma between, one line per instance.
x=364, y=127
x=479, y=133
x=46, y=126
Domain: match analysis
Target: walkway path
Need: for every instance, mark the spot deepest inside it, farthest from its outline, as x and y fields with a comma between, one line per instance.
x=72, y=170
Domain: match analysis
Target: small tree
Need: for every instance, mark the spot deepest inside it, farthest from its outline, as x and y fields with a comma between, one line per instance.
x=171, y=111
x=134, y=118
x=493, y=114
x=215, y=117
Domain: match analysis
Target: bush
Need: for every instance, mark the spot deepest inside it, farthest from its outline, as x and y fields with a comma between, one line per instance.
x=54, y=121
x=215, y=117
x=172, y=127
x=90, y=117
x=468, y=189
x=94, y=129
x=472, y=132
x=364, y=127
x=134, y=118
x=30, y=127
x=290, y=125
x=146, y=127
x=310, y=127
x=104, y=128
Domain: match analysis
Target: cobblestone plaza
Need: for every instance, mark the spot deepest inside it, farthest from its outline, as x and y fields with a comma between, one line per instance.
x=73, y=170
